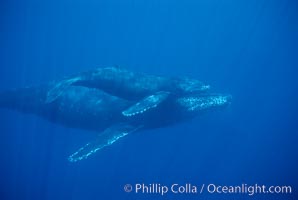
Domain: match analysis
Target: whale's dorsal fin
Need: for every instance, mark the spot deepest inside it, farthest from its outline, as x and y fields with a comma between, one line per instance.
x=107, y=138
x=146, y=104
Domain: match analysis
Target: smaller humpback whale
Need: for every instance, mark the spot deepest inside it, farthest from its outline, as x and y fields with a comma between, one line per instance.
x=111, y=113
x=128, y=85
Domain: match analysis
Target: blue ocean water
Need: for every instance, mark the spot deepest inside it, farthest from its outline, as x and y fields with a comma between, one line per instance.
x=245, y=48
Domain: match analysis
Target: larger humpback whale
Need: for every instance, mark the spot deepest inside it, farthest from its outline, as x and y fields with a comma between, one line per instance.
x=110, y=112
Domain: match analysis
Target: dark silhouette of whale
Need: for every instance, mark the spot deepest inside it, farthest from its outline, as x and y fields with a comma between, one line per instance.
x=98, y=108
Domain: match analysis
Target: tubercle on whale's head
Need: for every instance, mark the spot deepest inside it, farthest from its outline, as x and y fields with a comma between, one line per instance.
x=190, y=86
x=204, y=102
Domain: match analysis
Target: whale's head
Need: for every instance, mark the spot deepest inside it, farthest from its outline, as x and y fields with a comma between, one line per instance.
x=194, y=104
x=190, y=86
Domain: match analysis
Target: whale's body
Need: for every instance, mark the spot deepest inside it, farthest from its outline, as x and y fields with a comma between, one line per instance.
x=86, y=104
x=77, y=107
x=129, y=85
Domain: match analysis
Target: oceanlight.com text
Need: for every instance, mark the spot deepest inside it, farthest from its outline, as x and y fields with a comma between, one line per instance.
x=189, y=188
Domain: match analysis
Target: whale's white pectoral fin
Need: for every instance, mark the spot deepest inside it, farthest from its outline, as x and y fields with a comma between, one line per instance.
x=107, y=138
x=146, y=104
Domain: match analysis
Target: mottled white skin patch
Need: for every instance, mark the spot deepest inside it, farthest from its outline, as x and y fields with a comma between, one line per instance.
x=204, y=102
